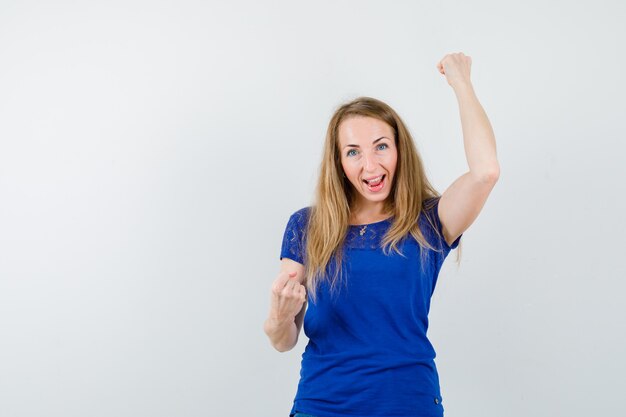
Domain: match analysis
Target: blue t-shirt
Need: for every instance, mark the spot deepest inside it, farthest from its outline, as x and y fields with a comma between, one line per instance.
x=368, y=354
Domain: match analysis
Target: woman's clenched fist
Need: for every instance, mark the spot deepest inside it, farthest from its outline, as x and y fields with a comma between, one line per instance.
x=287, y=297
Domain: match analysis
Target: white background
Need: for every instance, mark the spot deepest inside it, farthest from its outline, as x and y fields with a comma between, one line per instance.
x=151, y=153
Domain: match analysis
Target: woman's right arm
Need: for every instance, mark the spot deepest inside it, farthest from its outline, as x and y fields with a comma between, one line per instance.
x=288, y=306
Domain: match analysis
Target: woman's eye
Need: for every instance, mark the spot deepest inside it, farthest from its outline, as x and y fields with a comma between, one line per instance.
x=354, y=150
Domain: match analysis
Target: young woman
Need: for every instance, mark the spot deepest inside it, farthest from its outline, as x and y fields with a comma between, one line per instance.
x=366, y=256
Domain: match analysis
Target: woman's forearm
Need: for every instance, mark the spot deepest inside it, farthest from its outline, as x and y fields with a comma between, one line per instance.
x=478, y=136
x=282, y=335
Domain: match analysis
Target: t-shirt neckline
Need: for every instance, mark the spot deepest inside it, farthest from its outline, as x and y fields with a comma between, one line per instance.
x=371, y=224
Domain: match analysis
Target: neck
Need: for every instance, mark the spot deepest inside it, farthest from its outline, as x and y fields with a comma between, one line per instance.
x=369, y=213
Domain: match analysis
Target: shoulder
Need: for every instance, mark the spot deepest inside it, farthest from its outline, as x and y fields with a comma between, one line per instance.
x=429, y=218
x=429, y=208
x=300, y=218
x=429, y=203
x=302, y=214
x=304, y=211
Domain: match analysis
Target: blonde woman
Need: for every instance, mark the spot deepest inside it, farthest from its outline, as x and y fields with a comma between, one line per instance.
x=366, y=255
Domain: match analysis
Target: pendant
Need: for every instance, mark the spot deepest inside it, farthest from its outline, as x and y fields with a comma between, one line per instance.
x=362, y=231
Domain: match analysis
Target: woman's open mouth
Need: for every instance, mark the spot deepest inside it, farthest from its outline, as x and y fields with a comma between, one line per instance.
x=376, y=184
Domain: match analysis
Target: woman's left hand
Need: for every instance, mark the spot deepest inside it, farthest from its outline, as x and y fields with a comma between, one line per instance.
x=456, y=67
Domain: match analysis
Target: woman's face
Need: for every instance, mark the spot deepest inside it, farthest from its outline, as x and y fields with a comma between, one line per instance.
x=368, y=151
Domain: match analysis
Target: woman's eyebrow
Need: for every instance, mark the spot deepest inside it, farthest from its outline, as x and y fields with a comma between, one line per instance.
x=357, y=146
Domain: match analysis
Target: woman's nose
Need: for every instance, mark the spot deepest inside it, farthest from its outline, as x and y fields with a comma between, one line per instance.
x=369, y=162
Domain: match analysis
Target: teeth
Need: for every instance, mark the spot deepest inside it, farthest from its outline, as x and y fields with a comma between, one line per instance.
x=375, y=180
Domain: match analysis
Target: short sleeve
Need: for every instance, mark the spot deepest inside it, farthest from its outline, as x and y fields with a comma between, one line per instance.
x=435, y=216
x=294, y=238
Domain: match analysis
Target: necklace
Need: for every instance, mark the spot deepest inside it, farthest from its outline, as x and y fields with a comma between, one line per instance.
x=362, y=231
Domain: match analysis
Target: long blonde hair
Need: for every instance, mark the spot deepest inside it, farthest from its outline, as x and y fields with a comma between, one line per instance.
x=334, y=196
